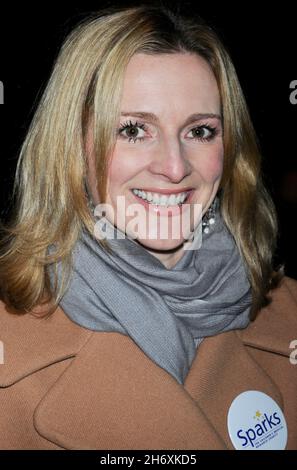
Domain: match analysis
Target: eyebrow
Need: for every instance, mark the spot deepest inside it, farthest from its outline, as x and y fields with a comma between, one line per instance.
x=154, y=119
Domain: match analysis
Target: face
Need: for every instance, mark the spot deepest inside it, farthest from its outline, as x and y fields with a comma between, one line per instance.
x=168, y=157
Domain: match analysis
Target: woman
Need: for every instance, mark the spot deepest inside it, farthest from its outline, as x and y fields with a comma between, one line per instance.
x=147, y=341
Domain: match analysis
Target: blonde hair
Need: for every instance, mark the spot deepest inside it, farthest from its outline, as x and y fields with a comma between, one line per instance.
x=85, y=86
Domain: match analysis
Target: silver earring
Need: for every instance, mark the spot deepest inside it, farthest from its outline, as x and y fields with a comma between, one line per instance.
x=209, y=217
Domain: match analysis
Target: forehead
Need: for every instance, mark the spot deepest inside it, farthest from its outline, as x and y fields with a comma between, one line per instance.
x=182, y=80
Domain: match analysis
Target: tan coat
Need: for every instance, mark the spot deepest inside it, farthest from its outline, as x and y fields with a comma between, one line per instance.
x=62, y=386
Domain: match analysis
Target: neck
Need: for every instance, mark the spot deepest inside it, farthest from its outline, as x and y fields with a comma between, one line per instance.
x=168, y=258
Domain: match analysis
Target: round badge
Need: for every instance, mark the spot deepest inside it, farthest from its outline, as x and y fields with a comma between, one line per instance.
x=256, y=422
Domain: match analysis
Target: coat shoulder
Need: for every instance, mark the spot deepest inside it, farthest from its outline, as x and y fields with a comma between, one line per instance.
x=31, y=342
x=275, y=326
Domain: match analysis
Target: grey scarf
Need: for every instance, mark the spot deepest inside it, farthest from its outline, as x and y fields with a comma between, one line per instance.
x=167, y=312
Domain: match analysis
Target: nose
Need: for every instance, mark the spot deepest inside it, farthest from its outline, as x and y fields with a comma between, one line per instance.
x=170, y=161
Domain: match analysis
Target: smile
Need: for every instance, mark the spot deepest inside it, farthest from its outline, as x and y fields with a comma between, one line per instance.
x=162, y=199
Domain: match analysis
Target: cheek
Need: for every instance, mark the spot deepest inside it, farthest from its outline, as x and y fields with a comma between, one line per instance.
x=210, y=165
x=121, y=170
x=114, y=178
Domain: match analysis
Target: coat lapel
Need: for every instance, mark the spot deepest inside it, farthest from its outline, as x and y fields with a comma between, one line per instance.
x=222, y=370
x=31, y=343
x=276, y=325
x=114, y=397
x=224, y=366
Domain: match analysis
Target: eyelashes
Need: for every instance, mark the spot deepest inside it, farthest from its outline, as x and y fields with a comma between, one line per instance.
x=210, y=132
x=132, y=127
x=135, y=132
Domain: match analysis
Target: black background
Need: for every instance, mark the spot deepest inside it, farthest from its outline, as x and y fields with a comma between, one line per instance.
x=261, y=41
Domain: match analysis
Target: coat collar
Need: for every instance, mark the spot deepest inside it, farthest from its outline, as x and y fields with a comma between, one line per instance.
x=276, y=325
x=122, y=391
x=125, y=401
x=31, y=343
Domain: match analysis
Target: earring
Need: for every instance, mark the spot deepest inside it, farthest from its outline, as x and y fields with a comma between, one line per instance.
x=209, y=217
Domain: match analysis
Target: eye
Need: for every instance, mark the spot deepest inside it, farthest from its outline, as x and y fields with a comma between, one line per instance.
x=203, y=133
x=132, y=131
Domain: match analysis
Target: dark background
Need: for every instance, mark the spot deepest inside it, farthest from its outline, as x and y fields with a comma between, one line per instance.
x=262, y=44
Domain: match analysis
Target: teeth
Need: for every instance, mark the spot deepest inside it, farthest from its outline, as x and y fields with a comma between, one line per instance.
x=171, y=200
x=161, y=199
x=156, y=199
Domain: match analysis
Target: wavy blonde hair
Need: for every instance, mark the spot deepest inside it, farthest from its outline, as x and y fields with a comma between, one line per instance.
x=85, y=87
